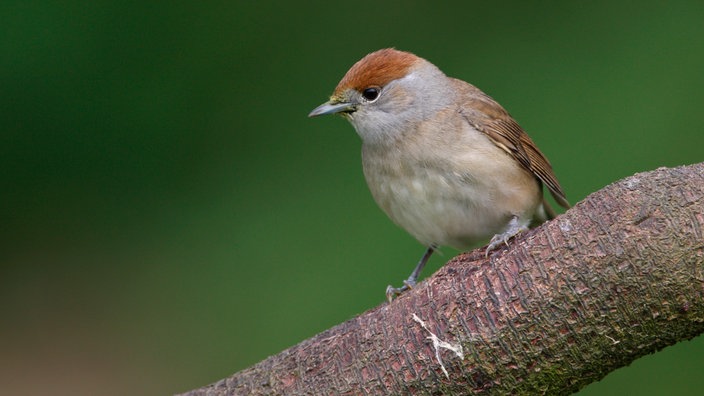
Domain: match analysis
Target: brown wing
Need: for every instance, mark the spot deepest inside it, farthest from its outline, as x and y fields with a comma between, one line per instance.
x=503, y=130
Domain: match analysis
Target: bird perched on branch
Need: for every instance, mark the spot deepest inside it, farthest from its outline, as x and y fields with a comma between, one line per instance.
x=442, y=159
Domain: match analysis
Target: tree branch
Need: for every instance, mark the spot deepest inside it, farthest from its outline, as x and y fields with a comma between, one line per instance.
x=618, y=276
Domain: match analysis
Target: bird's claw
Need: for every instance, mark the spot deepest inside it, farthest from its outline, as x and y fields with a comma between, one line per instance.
x=497, y=240
x=392, y=292
x=514, y=228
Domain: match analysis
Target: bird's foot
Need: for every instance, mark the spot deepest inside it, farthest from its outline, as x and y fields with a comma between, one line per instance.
x=409, y=283
x=514, y=228
x=392, y=292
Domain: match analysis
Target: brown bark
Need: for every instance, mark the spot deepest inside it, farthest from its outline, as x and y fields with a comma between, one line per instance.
x=618, y=276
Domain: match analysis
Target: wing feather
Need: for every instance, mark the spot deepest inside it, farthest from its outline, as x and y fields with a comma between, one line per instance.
x=491, y=119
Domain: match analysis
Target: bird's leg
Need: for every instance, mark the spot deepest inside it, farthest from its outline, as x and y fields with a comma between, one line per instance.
x=514, y=228
x=391, y=292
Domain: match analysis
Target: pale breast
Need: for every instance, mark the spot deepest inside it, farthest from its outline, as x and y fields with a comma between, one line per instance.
x=453, y=193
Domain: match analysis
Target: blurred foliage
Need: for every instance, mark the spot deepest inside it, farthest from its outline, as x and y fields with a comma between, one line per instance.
x=170, y=215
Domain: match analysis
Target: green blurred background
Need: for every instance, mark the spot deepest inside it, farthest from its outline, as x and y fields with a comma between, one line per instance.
x=169, y=215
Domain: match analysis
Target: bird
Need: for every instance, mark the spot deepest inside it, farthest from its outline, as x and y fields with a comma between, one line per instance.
x=442, y=159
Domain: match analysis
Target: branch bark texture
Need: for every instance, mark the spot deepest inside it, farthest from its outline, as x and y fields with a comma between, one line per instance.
x=618, y=276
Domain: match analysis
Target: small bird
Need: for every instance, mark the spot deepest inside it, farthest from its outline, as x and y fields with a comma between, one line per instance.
x=442, y=159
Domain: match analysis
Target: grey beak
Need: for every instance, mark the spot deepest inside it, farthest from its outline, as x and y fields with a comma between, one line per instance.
x=331, y=108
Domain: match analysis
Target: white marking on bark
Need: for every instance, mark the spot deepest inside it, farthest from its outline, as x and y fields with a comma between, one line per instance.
x=438, y=344
x=614, y=341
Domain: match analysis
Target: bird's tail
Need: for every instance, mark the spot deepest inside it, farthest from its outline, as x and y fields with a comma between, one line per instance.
x=548, y=212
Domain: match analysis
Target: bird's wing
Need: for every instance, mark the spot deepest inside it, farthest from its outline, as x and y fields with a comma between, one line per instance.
x=505, y=132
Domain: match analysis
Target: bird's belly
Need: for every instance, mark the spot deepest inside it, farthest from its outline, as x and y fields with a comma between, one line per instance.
x=450, y=209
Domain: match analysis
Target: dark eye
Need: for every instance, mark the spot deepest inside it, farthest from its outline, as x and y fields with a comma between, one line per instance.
x=371, y=93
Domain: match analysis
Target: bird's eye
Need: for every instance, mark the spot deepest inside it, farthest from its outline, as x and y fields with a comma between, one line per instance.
x=371, y=94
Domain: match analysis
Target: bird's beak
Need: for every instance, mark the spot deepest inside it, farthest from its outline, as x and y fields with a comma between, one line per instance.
x=332, y=107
